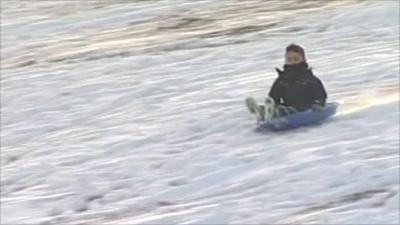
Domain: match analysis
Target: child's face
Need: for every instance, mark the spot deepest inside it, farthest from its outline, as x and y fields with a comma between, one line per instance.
x=292, y=58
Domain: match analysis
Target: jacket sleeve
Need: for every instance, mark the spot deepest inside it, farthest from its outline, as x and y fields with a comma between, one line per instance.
x=318, y=92
x=276, y=92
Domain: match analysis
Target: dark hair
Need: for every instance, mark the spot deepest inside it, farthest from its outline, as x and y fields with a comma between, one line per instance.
x=296, y=48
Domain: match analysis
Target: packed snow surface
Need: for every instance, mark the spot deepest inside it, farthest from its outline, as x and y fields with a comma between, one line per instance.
x=132, y=112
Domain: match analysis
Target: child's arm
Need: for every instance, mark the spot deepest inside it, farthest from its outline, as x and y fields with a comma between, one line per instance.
x=276, y=92
x=319, y=93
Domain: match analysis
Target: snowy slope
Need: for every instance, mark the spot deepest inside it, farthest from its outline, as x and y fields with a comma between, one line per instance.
x=132, y=113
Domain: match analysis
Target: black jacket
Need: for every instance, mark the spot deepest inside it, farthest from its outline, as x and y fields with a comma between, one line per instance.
x=297, y=86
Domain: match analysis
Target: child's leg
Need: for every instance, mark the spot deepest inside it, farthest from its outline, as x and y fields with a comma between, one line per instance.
x=254, y=108
x=284, y=110
x=270, y=108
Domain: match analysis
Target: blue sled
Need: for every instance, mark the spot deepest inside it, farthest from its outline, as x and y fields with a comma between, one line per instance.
x=305, y=118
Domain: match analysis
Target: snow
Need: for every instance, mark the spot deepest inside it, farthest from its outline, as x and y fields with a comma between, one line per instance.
x=133, y=113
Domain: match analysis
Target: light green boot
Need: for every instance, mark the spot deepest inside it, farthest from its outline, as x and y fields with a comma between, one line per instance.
x=257, y=110
x=270, y=108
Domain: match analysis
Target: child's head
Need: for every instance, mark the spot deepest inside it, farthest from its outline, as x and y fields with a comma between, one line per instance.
x=294, y=54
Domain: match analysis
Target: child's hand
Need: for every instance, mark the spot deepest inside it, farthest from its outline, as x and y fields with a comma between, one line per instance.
x=317, y=107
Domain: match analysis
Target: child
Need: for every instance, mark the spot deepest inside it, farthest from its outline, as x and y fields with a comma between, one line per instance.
x=295, y=89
